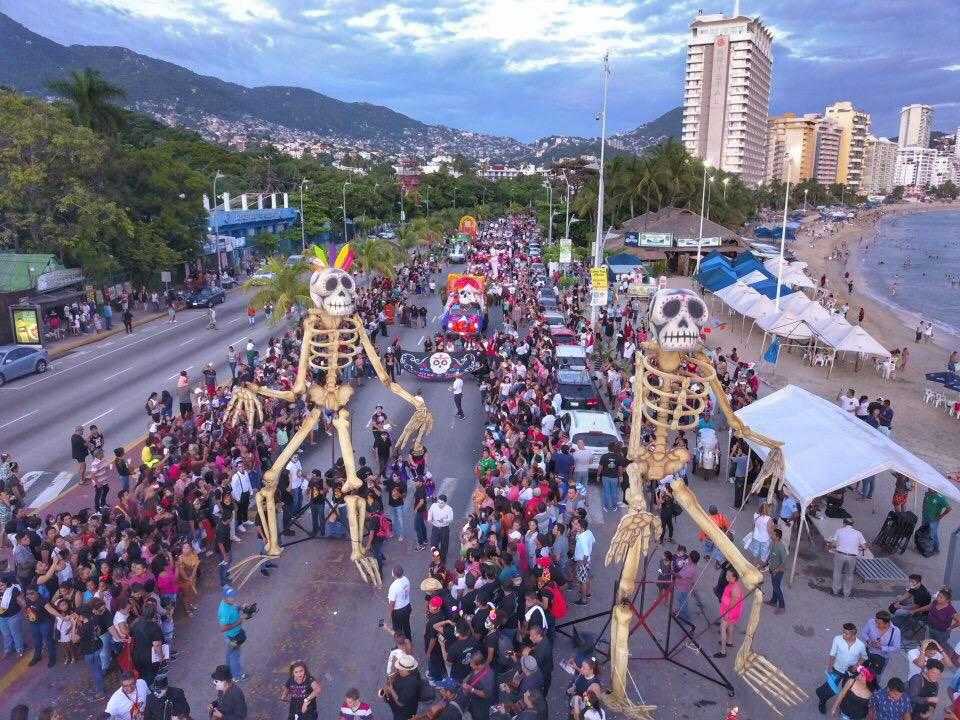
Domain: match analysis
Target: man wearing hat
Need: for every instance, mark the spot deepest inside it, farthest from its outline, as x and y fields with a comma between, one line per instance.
x=231, y=625
x=847, y=542
x=166, y=703
x=436, y=615
x=230, y=703
x=403, y=689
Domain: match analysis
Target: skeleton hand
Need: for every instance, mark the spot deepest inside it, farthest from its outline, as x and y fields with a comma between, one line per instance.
x=767, y=680
x=369, y=570
x=625, y=706
x=244, y=406
x=636, y=526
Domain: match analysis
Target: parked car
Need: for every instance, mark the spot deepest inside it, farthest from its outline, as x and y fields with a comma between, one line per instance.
x=554, y=319
x=228, y=281
x=538, y=268
x=205, y=296
x=577, y=391
x=19, y=360
x=261, y=277
x=596, y=428
x=563, y=336
x=549, y=303
x=295, y=260
x=573, y=357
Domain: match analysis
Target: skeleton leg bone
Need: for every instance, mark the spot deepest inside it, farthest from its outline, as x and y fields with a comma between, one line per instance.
x=356, y=506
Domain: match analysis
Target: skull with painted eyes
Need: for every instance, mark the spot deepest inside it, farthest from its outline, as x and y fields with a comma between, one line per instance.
x=333, y=290
x=678, y=317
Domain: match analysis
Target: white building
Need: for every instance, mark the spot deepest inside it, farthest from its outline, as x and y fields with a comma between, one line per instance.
x=956, y=144
x=946, y=166
x=727, y=93
x=879, y=165
x=916, y=121
x=437, y=163
x=829, y=134
x=914, y=166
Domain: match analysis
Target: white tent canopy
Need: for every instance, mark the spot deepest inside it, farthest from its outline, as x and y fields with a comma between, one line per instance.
x=794, y=302
x=798, y=280
x=742, y=302
x=786, y=325
x=759, y=306
x=731, y=292
x=858, y=340
x=825, y=448
x=753, y=277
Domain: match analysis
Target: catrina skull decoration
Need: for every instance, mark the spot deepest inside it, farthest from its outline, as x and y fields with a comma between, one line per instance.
x=333, y=290
x=678, y=316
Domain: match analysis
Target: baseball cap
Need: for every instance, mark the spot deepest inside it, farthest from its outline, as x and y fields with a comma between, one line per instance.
x=448, y=684
x=436, y=601
x=229, y=592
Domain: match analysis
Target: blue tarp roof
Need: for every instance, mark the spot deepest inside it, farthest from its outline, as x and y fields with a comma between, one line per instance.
x=624, y=259
x=745, y=257
x=769, y=288
x=714, y=258
x=716, y=277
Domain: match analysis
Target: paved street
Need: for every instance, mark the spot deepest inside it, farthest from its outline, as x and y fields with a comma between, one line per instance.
x=107, y=383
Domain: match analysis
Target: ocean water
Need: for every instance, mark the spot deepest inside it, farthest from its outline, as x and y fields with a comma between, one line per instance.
x=915, y=265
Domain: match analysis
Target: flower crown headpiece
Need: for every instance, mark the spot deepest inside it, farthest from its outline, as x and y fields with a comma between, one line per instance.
x=342, y=260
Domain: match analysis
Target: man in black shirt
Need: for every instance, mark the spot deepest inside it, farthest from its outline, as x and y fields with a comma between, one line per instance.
x=41, y=626
x=420, y=512
x=543, y=652
x=165, y=702
x=396, y=488
x=610, y=470
x=906, y=606
x=404, y=689
x=224, y=545
x=89, y=644
x=79, y=451
x=457, y=653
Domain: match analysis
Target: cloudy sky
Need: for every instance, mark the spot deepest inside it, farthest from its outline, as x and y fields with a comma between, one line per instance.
x=529, y=68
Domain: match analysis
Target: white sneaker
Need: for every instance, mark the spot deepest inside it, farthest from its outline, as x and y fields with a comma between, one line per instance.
x=249, y=522
x=235, y=538
x=241, y=528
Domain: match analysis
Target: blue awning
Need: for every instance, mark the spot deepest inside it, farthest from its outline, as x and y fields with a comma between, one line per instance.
x=716, y=277
x=769, y=288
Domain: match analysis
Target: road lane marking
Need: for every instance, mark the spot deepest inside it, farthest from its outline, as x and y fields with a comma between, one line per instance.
x=97, y=417
x=53, y=490
x=102, y=355
x=119, y=372
x=19, y=418
x=186, y=342
x=174, y=377
x=231, y=322
x=29, y=478
x=420, y=341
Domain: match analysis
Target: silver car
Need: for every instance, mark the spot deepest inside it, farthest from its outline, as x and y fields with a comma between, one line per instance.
x=19, y=360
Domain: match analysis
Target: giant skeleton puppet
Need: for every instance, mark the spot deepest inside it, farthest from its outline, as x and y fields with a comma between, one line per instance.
x=672, y=380
x=333, y=335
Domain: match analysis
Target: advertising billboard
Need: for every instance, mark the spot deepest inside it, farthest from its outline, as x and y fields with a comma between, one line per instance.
x=27, y=326
x=656, y=239
x=631, y=238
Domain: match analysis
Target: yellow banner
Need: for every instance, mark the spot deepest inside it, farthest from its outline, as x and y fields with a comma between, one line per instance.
x=598, y=278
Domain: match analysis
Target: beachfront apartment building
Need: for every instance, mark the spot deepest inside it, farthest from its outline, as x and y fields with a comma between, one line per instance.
x=791, y=144
x=916, y=122
x=914, y=166
x=879, y=165
x=727, y=93
x=946, y=167
x=829, y=135
x=854, y=126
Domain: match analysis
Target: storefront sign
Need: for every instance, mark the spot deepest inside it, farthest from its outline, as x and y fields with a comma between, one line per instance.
x=25, y=320
x=631, y=238
x=641, y=290
x=692, y=242
x=598, y=278
x=438, y=365
x=656, y=239
x=55, y=279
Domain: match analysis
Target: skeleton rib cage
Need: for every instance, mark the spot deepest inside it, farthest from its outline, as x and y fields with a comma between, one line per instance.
x=675, y=400
x=334, y=348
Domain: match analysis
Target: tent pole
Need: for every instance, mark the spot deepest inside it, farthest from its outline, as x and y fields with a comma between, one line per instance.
x=796, y=553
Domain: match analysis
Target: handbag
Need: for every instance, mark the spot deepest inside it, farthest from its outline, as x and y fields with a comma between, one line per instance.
x=239, y=639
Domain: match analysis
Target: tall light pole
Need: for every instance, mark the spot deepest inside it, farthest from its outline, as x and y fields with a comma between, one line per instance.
x=549, y=186
x=400, y=202
x=783, y=237
x=709, y=191
x=428, y=198
x=703, y=202
x=598, y=242
x=726, y=181
x=805, y=191
x=567, y=235
x=345, y=183
x=454, y=196
x=303, y=231
x=216, y=225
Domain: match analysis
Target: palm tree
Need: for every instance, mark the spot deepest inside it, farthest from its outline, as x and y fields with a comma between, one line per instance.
x=679, y=176
x=585, y=201
x=376, y=255
x=89, y=98
x=287, y=288
x=650, y=177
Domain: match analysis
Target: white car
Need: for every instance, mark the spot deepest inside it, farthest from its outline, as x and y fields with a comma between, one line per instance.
x=596, y=429
x=457, y=254
x=554, y=318
x=571, y=356
x=261, y=277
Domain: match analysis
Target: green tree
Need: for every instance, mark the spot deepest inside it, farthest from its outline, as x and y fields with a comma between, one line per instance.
x=287, y=288
x=265, y=243
x=89, y=100
x=375, y=255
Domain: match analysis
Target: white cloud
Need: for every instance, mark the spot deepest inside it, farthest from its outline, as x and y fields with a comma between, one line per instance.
x=193, y=12
x=951, y=68
x=529, y=36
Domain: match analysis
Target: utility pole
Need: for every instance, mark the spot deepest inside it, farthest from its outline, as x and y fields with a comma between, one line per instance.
x=598, y=243
x=703, y=202
x=549, y=186
x=303, y=232
x=216, y=225
x=783, y=238
x=567, y=234
x=345, y=183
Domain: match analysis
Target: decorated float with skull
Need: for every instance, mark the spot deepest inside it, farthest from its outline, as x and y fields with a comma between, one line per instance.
x=465, y=310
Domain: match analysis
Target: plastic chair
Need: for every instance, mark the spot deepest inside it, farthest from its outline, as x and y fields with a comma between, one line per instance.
x=928, y=395
x=939, y=399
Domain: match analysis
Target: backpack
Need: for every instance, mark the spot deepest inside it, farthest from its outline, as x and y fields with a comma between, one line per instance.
x=385, y=531
x=558, y=603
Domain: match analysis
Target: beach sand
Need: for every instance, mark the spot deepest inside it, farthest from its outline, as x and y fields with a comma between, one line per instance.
x=926, y=431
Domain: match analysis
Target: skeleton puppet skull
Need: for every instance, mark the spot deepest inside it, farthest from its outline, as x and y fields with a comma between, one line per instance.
x=334, y=291
x=677, y=317
x=440, y=362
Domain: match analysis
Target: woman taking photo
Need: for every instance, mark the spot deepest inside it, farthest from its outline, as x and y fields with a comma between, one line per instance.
x=854, y=699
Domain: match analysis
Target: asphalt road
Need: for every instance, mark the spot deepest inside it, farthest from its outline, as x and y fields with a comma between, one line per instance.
x=107, y=383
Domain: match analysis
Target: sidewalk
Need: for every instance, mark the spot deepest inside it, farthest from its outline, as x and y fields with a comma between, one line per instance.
x=59, y=348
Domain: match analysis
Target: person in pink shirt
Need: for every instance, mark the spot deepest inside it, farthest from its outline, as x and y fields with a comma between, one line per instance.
x=167, y=584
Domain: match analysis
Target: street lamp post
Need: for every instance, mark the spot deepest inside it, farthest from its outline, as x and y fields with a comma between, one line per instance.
x=303, y=231
x=400, y=201
x=709, y=191
x=216, y=225
x=783, y=237
x=703, y=202
x=567, y=235
x=549, y=186
x=345, y=183
x=726, y=181
x=598, y=242
x=805, y=191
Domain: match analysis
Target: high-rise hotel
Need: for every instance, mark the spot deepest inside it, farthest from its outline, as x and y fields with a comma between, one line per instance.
x=727, y=94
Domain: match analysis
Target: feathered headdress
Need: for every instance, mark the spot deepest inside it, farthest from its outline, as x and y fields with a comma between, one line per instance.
x=342, y=259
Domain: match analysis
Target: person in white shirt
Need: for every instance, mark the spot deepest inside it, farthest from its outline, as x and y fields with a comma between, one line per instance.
x=583, y=548
x=628, y=350
x=581, y=463
x=547, y=423
x=917, y=657
x=398, y=602
x=458, y=394
x=240, y=488
x=847, y=542
x=297, y=481
x=848, y=402
x=846, y=654
x=130, y=699
x=439, y=517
